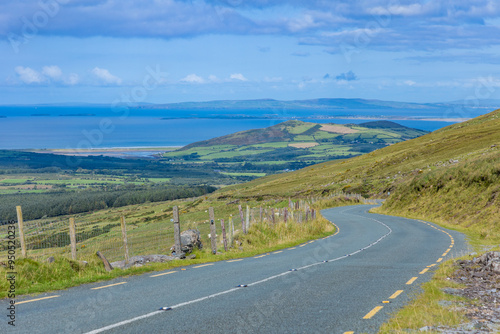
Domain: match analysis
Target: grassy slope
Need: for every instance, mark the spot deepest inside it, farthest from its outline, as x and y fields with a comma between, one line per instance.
x=274, y=143
x=379, y=172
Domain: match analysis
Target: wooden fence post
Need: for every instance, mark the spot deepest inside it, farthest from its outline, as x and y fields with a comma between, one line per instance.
x=20, y=223
x=213, y=234
x=285, y=215
x=72, y=237
x=261, y=215
x=243, y=225
x=105, y=261
x=231, y=230
x=224, y=240
x=177, y=232
x=248, y=219
x=273, y=217
x=124, y=237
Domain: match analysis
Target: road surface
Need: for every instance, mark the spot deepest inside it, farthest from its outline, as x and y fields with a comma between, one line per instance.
x=347, y=283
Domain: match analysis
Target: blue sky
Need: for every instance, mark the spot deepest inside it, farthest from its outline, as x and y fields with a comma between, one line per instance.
x=163, y=51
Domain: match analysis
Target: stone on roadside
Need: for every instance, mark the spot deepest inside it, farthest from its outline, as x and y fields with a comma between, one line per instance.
x=190, y=239
x=138, y=261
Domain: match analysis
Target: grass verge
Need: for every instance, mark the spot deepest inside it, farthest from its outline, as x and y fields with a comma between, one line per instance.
x=432, y=306
x=429, y=307
x=40, y=276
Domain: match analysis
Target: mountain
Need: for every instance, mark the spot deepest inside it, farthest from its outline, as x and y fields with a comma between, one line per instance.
x=297, y=141
x=314, y=104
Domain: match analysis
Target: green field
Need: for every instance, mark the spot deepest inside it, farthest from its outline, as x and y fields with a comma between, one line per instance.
x=297, y=142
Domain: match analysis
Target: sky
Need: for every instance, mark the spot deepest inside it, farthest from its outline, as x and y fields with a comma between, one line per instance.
x=165, y=51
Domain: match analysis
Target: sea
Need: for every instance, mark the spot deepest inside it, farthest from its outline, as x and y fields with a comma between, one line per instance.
x=100, y=127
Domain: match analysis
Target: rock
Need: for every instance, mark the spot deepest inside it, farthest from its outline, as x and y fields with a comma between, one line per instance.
x=495, y=267
x=445, y=303
x=189, y=240
x=452, y=291
x=191, y=257
x=425, y=329
x=138, y=261
x=50, y=259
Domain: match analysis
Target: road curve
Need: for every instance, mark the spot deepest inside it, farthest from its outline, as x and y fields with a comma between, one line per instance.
x=347, y=283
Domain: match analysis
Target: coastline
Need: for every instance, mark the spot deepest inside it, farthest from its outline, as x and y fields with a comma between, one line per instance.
x=117, y=152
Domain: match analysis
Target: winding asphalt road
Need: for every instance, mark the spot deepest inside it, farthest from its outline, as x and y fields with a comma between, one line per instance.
x=347, y=283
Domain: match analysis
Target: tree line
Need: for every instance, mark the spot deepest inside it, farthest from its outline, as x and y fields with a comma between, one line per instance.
x=54, y=204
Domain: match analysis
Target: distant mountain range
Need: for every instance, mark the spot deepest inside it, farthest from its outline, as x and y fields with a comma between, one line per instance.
x=313, y=104
x=313, y=109
x=319, y=103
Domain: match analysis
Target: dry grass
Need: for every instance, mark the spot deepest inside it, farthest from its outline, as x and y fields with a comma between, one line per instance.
x=303, y=145
x=337, y=129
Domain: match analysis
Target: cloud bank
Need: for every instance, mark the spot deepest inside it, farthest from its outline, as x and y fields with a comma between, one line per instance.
x=394, y=26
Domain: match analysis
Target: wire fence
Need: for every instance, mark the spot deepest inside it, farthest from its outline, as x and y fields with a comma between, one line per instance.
x=40, y=239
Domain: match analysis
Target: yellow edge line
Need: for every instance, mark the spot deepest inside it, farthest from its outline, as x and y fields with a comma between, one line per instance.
x=302, y=245
x=170, y=272
x=413, y=279
x=292, y=248
x=431, y=265
x=423, y=271
x=35, y=300
x=373, y=312
x=440, y=259
x=278, y=252
x=258, y=257
x=204, y=265
x=348, y=332
x=395, y=294
x=235, y=260
x=107, y=286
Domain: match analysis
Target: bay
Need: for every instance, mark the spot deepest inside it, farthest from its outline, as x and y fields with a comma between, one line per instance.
x=93, y=127
x=85, y=132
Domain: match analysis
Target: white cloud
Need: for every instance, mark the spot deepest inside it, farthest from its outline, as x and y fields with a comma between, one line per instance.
x=106, y=76
x=238, y=76
x=303, y=23
x=72, y=79
x=410, y=10
x=193, y=78
x=53, y=72
x=29, y=75
x=213, y=78
x=410, y=83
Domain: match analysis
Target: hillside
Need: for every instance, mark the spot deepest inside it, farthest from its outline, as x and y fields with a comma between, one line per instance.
x=452, y=175
x=296, y=141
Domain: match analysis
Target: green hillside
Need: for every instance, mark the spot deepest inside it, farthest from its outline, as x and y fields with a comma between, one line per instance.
x=296, y=142
x=451, y=175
